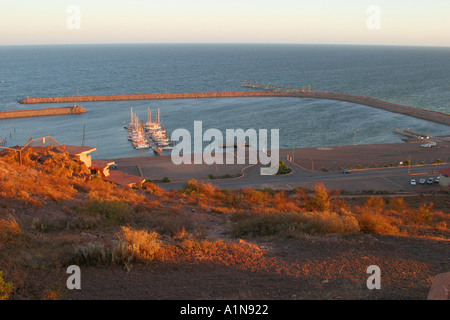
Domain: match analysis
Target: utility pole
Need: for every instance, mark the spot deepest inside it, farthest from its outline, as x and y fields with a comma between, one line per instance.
x=82, y=140
x=293, y=153
x=354, y=137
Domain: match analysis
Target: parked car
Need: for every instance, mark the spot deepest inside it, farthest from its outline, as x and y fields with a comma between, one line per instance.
x=430, y=181
x=413, y=182
x=422, y=181
x=346, y=171
x=436, y=180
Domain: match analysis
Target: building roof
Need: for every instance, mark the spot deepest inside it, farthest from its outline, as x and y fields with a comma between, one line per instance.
x=76, y=150
x=445, y=172
x=123, y=179
x=101, y=164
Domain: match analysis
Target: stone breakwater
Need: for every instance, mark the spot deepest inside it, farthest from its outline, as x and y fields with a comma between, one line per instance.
x=151, y=96
x=425, y=114
x=41, y=112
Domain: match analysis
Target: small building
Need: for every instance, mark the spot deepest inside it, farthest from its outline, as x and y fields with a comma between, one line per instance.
x=123, y=179
x=81, y=153
x=101, y=167
x=444, y=177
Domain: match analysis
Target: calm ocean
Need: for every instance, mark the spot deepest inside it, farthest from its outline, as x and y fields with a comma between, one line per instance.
x=415, y=76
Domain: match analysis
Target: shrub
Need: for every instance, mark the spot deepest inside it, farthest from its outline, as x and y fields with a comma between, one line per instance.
x=398, y=204
x=143, y=244
x=283, y=168
x=96, y=253
x=114, y=212
x=422, y=215
x=372, y=222
x=6, y=288
x=292, y=224
x=9, y=229
x=321, y=200
x=376, y=203
x=194, y=187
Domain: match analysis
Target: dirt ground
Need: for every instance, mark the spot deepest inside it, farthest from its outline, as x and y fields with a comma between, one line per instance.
x=313, y=267
x=336, y=270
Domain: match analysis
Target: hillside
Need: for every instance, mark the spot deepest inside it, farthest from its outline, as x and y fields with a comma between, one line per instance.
x=204, y=243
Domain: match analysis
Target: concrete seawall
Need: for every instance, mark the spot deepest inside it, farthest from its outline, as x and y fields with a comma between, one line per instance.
x=425, y=114
x=41, y=112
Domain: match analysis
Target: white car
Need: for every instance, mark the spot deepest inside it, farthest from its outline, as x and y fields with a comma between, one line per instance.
x=413, y=182
x=436, y=180
x=422, y=181
x=430, y=181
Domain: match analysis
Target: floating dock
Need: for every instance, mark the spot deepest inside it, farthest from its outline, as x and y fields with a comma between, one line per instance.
x=41, y=112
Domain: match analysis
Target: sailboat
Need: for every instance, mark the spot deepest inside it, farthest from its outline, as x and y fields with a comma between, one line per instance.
x=150, y=125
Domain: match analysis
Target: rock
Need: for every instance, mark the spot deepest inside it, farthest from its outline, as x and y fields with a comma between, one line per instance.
x=440, y=289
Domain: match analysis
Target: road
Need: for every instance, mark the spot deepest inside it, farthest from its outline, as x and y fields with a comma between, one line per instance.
x=381, y=166
x=385, y=179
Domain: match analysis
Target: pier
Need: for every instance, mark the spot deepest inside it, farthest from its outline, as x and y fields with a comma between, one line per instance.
x=41, y=112
x=411, y=133
x=267, y=91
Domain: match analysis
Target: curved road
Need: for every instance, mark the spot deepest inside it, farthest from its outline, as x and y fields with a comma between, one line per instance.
x=386, y=179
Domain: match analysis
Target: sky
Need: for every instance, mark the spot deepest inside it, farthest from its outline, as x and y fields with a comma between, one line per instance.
x=379, y=22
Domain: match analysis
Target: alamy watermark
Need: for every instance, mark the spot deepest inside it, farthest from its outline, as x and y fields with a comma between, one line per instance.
x=374, y=281
x=373, y=22
x=73, y=22
x=255, y=142
x=74, y=280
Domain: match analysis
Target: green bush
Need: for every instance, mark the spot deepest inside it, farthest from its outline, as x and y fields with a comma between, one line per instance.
x=283, y=168
x=114, y=212
x=6, y=288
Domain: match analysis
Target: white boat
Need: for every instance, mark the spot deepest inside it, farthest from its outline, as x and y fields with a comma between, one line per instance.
x=150, y=124
x=149, y=134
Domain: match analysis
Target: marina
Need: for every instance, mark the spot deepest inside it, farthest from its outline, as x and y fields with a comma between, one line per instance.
x=150, y=134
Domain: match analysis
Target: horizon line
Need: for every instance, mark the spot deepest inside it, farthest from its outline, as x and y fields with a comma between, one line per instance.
x=226, y=43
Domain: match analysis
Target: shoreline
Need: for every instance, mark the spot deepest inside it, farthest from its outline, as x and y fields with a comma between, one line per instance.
x=313, y=162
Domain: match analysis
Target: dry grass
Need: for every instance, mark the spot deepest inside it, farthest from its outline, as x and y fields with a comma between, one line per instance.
x=146, y=246
x=293, y=224
x=51, y=217
x=9, y=229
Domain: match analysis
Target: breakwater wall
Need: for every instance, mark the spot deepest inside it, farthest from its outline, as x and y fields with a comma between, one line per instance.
x=150, y=96
x=41, y=112
x=425, y=114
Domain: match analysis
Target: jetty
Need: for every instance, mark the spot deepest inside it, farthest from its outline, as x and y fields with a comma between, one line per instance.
x=10, y=114
x=267, y=91
x=411, y=133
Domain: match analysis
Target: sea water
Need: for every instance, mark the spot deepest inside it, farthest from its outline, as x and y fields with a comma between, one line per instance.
x=415, y=76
